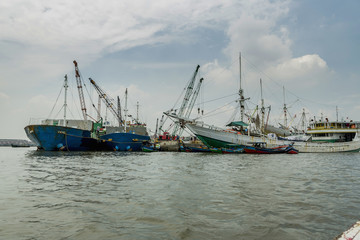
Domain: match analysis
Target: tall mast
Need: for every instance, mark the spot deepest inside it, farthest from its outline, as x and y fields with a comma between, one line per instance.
x=126, y=110
x=241, y=94
x=285, y=110
x=262, y=109
x=137, y=112
x=81, y=94
x=303, y=119
x=156, y=128
x=65, y=103
x=337, y=114
x=119, y=110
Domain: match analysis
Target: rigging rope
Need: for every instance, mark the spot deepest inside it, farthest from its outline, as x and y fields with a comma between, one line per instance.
x=56, y=101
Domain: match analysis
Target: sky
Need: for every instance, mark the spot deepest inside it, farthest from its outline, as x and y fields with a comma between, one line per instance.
x=309, y=48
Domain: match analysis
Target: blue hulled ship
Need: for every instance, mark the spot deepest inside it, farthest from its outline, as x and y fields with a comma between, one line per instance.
x=88, y=135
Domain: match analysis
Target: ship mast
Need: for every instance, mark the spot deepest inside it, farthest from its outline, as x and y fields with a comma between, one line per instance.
x=303, y=119
x=137, y=112
x=241, y=94
x=242, y=99
x=119, y=110
x=126, y=110
x=262, y=109
x=285, y=109
x=65, y=103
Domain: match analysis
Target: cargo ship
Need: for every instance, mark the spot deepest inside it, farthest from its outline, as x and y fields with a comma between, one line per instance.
x=88, y=135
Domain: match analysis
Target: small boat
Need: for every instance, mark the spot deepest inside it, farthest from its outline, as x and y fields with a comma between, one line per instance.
x=259, y=148
x=352, y=233
x=194, y=149
x=215, y=150
x=232, y=150
x=148, y=149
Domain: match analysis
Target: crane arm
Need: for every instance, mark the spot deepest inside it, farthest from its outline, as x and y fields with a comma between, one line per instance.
x=186, y=99
x=81, y=94
x=193, y=98
x=109, y=102
x=188, y=93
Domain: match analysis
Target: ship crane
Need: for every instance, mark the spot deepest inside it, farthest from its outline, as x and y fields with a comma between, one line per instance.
x=81, y=94
x=186, y=99
x=109, y=102
x=192, y=101
x=193, y=98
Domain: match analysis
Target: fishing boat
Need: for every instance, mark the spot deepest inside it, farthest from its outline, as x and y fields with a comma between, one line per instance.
x=260, y=148
x=85, y=135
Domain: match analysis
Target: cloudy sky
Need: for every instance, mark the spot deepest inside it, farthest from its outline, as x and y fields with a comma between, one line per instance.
x=153, y=47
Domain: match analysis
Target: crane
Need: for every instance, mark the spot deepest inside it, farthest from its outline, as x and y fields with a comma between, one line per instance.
x=109, y=102
x=186, y=99
x=192, y=101
x=193, y=98
x=81, y=94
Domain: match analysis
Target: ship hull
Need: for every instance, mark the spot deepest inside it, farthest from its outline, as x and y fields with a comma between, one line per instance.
x=218, y=138
x=124, y=141
x=60, y=138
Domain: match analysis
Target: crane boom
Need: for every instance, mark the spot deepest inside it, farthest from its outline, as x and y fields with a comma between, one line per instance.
x=193, y=98
x=192, y=102
x=109, y=102
x=186, y=99
x=81, y=94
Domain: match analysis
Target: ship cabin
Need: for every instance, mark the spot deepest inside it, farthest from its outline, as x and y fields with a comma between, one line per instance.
x=336, y=131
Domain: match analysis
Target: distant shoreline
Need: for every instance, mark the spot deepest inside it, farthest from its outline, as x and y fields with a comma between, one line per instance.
x=16, y=143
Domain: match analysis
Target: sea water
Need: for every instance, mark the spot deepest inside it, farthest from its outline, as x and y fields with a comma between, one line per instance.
x=173, y=195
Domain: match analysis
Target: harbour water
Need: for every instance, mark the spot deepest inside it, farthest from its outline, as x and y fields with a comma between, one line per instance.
x=171, y=195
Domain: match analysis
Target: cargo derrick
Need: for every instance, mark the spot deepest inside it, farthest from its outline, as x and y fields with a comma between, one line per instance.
x=186, y=99
x=108, y=101
x=81, y=94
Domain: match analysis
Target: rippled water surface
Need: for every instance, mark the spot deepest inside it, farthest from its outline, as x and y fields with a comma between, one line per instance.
x=170, y=195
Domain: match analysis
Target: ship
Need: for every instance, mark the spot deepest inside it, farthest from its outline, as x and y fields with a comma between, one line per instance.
x=243, y=134
x=88, y=135
x=324, y=130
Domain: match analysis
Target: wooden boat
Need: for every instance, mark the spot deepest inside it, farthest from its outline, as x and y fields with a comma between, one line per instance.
x=260, y=148
x=327, y=136
x=352, y=233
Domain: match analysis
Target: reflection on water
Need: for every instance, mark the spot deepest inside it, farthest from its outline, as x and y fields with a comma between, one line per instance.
x=114, y=195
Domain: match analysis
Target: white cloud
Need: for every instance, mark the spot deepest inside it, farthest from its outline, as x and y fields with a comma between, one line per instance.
x=308, y=69
x=39, y=39
x=256, y=33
